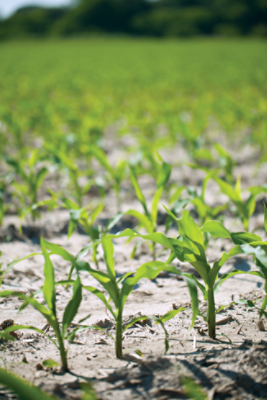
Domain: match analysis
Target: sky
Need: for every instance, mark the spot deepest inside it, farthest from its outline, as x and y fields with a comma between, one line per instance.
x=8, y=7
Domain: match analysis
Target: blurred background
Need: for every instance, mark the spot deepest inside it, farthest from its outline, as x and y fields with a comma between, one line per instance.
x=152, y=18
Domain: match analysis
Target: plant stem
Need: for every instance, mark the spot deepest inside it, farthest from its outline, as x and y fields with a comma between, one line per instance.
x=211, y=316
x=264, y=303
x=95, y=257
x=63, y=354
x=119, y=335
x=154, y=251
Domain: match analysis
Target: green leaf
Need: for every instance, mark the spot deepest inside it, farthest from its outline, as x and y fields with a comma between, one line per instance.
x=96, y=212
x=108, y=256
x=189, y=229
x=6, y=336
x=244, y=237
x=143, y=220
x=50, y=363
x=17, y=260
x=250, y=205
x=265, y=217
x=156, y=237
x=102, y=158
x=108, y=285
x=49, y=281
x=154, y=208
x=71, y=335
x=138, y=190
x=73, y=305
x=202, y=268
x=165, y=331
x=191, y=283
x=169, y=315
x=198, y=284
x=216, y=229
x=176, y=194
x=58, y=250
x=113, y=221
x=221, y=150
x=148, y=270
x=238, y=188
x=192, y=390
x=23, y=389
x=134, y=320
x=14, y=328
x=233, y=252
x=229, y=191
x=170, y=213
x=164, y=175
x=40, y=176
x=228, y=275
x=75, y=215
x=249, y=303
x=70, y=204
x=88, y=390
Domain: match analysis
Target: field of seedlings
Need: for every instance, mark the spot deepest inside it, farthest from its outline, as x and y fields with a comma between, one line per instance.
x=133, y=225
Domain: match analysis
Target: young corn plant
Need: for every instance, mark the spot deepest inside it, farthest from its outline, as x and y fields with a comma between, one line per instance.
x=148, y=219
x=119, y=289
x=31, y=180
x=190, y=247
x=116, y=174
x=224, y=165
x=49, y=311
x=87, y=220
x=244, y=208
x=258, y=249
x=4, y=335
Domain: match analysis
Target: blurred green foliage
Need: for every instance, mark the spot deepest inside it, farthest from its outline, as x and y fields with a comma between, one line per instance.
x=141, y=17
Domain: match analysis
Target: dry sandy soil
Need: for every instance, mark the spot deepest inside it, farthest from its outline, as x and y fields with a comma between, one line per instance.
x=234, y=366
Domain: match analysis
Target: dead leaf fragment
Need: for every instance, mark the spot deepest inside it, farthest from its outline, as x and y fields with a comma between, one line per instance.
x=260, y=325
x=101, y=341
x=239, y=329
x=224, y=320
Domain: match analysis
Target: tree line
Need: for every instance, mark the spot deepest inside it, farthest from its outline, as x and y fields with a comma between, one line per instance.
x=160, y=18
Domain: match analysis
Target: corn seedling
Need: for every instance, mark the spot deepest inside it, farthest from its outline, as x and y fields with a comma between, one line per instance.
x=190, y=247
x=87, y=220
x=116, y=174
x=244, y=208
x=148, y=219
x=31, y=180
x=49, y=311
x=120, y=289
x=71, y=171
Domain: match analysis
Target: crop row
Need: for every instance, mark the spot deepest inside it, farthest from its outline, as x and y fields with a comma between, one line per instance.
x=190, y=245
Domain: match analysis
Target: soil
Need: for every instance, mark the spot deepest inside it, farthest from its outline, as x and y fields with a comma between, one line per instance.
x=232, y=366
